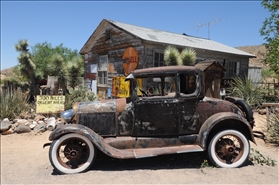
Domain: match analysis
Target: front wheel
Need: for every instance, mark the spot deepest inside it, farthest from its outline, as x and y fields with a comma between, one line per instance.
x=228, y=149
x=71, y=153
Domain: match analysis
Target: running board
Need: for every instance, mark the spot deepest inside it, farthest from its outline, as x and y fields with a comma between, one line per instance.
x=151, y=152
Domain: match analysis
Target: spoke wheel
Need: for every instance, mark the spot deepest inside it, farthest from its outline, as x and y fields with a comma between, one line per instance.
x=228, y=148
x=71, y=153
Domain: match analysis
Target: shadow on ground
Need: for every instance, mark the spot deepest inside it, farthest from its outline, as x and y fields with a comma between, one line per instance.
x=194, y=160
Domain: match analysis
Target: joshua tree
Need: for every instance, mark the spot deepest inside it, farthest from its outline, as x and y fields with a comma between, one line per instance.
x=26, y=66
x=74, y=70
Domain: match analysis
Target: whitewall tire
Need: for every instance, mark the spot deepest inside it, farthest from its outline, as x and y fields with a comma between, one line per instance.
x=228, y=149
x=71, y=153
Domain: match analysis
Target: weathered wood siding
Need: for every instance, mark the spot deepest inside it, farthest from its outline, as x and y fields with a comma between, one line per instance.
x=120, y=40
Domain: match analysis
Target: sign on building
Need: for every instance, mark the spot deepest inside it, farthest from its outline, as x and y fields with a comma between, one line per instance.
x=50, y=104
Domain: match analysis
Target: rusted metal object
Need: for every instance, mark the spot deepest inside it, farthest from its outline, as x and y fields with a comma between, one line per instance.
x=172, y=115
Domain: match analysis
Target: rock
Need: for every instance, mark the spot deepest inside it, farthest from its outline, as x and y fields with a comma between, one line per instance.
x=51, y=123
x=40, y=127
x=21, y=121
x=33, y=124
x=10, y=131
x=262, y=111
x=22, y=129
x=5, y=125
x=39, y=117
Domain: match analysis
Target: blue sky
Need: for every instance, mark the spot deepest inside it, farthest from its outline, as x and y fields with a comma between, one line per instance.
x=233, y=23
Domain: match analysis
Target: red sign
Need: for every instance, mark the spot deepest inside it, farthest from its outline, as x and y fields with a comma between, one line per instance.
x=130, y=58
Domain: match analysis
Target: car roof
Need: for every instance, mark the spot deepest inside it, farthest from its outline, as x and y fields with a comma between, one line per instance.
x=165, y=70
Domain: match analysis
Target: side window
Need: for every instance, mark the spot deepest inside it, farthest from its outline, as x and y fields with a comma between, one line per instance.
x=187, y=84
x=160, y=86
x=102, y=70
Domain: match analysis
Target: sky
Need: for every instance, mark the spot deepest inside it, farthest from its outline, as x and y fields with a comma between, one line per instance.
x=71, y=23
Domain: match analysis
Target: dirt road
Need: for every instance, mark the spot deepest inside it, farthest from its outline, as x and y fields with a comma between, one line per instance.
x=24, y=161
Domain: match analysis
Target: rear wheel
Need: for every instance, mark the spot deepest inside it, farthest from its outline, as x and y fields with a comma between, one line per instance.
x=228, y=149
x=71, y=153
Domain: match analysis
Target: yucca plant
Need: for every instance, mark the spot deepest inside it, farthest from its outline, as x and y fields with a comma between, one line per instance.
x=13, y=104
x=244, y=88
x=188, y=56
x=172, y=56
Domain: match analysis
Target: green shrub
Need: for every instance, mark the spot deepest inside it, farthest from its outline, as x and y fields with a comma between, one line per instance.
x=82, y=94
x=13, y=104
x=258, y=158
x=251, y=92
x=273, y=129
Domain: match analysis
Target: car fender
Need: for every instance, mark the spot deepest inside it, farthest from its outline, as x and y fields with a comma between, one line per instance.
x=96, y=139
x=219, y=119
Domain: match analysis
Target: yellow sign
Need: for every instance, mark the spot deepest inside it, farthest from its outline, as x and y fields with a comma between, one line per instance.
x=50, y=104
x=121, y=88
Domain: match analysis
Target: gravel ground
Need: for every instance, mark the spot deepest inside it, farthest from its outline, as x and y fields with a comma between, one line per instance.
x=24, y=161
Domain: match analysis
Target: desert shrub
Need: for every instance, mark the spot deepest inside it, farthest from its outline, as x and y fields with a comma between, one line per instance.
x=13, y=104
x=244, y=88
x=273, y=129
x=82, y=94
x=258, y=158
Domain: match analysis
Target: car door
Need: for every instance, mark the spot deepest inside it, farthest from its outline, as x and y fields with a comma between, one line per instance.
x=188, y=101
x=157, y=114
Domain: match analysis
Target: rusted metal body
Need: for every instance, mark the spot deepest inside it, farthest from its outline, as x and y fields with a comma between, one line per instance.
x=176, y=121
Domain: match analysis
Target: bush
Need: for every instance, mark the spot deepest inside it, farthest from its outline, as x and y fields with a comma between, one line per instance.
x=13, y=104
x=273, y=129
x=82, y=94
x=247, y=90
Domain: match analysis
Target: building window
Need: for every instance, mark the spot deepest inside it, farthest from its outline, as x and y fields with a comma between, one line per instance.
x=159, y=59
x=233, y=68
x=108, y=35
x=103, y=70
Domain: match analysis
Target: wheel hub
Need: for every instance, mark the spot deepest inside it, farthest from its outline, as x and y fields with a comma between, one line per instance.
x=72, y=152
x=227, y=147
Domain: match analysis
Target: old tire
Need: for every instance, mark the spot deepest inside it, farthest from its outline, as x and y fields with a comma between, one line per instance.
x=71, y=153
x=228, y=149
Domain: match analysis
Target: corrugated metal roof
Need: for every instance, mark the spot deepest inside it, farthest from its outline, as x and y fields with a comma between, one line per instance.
x=178, y=39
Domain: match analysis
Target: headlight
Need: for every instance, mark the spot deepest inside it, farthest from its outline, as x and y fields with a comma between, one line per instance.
x=67, y=115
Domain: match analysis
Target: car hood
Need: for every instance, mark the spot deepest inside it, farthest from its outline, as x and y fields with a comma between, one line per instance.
x=112, y=105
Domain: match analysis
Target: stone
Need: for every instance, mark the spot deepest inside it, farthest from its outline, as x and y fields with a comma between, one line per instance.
x=262, y=111
x=39, y=117
x=40, y=127
x=22, y=129
x=21, y=121
x=7, y=132
x=51, y=123
x=5, y=125
x=33, y=124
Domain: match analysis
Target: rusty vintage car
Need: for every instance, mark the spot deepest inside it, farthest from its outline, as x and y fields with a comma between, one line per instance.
x=166, y=113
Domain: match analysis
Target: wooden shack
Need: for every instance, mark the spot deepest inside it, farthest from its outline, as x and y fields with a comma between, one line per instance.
x=213, y=74
x=114, y=49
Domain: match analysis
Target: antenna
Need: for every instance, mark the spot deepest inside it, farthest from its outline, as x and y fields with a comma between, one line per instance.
x=208, y=25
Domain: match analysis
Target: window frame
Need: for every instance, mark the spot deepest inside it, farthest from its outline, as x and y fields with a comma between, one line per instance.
x=102, y=70
x=161, y=61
